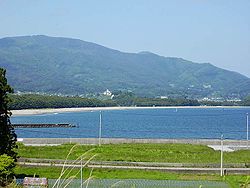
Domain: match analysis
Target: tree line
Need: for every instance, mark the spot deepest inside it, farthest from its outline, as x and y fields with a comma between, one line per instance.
x=34, y=101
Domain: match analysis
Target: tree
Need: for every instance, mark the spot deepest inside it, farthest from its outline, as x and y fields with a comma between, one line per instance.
x=7, y=165
x=8, y=137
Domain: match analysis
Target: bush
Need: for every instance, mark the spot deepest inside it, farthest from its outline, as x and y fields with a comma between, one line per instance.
x=7, y=165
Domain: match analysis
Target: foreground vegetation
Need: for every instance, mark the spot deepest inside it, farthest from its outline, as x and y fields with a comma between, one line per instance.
x=234, y=181
x=173, y=153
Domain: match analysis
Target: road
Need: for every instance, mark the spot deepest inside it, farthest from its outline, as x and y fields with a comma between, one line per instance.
x=170, y=169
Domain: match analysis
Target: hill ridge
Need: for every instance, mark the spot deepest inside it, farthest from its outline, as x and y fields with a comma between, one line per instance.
x=73, y=66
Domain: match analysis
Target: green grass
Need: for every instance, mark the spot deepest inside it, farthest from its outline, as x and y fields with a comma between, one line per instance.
x=173, y=153
x=53, y=172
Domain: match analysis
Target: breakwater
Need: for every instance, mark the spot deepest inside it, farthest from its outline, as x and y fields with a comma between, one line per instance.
x=43, y=125
x=95, y=141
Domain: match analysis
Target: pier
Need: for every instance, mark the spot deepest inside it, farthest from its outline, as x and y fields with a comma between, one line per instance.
x=43, y=125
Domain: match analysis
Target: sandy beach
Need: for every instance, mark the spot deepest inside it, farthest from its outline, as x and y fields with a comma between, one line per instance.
x=82, y=109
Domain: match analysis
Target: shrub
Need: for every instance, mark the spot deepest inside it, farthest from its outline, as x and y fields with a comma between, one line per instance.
x=7, y=165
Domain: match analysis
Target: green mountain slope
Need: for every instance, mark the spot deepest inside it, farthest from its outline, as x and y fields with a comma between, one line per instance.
x=70, y=66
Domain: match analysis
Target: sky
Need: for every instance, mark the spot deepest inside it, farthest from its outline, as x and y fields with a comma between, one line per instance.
x=203, y=31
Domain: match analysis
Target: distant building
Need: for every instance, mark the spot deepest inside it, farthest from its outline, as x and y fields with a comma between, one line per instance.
x=234, y=100
x=164, y=97
x=207, y=86
x=29, y=182
x=107, y=93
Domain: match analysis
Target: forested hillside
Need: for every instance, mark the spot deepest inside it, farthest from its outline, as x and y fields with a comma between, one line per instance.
x=75, y=67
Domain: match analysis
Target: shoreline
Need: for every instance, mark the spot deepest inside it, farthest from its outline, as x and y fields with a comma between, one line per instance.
x=86, y=109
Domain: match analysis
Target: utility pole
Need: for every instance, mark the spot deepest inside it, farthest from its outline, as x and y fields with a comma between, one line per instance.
x=221, y=157
x=100, y=128
x=247, y=130
x=81, y=174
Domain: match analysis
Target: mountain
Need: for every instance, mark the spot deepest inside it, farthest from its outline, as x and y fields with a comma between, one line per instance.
x=71, y=66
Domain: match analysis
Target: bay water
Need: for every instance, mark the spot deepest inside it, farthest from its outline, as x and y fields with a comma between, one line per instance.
x=141, y=123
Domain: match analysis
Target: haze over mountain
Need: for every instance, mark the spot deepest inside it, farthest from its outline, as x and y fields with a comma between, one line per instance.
x=71, y=66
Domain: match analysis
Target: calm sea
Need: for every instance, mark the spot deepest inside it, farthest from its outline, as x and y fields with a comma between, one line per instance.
x=138, y=123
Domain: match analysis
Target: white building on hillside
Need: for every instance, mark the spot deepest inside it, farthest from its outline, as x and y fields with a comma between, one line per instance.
x=107, y=93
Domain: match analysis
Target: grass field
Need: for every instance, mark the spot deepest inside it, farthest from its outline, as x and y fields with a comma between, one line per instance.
x=173, y=153
x=53, y=172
